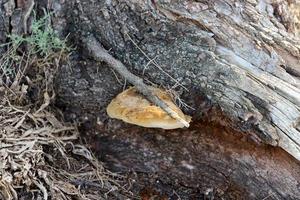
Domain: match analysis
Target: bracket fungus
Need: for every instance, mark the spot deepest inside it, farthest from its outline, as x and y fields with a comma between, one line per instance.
x=134, y=108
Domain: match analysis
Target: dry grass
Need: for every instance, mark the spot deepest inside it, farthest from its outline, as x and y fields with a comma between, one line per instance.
x=38, y=149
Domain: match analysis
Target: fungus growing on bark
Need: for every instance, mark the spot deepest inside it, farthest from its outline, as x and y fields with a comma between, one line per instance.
x=133, y=108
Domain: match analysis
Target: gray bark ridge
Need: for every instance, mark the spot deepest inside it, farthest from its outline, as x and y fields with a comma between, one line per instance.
x=253, y=47
x=238, y=53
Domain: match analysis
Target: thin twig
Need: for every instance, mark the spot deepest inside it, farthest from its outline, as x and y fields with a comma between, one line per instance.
x=154, y=63
x=117, y=78
x=151, y=61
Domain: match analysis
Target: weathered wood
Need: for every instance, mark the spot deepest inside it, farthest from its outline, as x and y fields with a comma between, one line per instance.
x=241, y=55
x=251, y=50
x=201, y=162
x=234, y=52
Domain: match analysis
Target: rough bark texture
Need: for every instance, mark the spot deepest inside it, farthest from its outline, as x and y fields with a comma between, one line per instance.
x=239, y=61
x=235, y=53
x=234, y=56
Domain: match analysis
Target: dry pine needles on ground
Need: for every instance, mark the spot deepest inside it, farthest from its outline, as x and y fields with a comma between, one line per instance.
x=34, y=140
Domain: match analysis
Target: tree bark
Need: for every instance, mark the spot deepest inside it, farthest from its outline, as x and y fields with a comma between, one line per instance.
x=237, y=58
x=235, y=53
x=239, y=61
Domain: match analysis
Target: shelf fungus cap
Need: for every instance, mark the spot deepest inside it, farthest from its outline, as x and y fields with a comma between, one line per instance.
x=133, y=108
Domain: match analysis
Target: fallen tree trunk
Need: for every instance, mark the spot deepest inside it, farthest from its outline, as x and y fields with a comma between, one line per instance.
x=239, y=62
